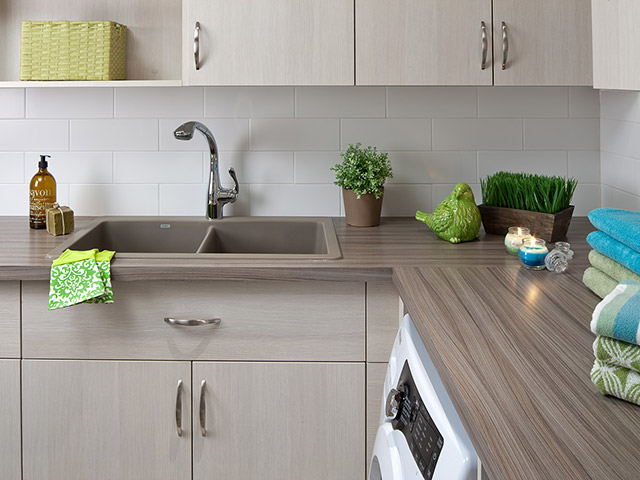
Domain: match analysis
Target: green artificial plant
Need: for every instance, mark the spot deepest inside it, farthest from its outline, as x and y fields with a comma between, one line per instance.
x=363, y=170
x=536, y=193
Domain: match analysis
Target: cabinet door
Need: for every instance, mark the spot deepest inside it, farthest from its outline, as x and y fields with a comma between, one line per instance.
x=105, y=420
x=9, y=319
x=280, y=42
x=549, y=42
x=422, y=42
x=278, y=421
x=10, y=419
x=616, y=44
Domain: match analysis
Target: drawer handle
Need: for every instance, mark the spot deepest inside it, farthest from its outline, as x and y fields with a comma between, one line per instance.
x=179, y=409
x=196, y=46
x=505, y=46
x=485, y=45
x=192, y=322
x=203, y=411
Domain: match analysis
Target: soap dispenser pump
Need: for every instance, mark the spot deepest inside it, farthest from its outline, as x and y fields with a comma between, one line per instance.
x=42, y=194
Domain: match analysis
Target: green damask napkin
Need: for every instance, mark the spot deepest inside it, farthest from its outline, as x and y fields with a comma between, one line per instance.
x=103, y=259
x=617, y=352
x=616, y=381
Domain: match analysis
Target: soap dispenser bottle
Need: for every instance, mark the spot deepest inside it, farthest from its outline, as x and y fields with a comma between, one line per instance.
x=42, y=194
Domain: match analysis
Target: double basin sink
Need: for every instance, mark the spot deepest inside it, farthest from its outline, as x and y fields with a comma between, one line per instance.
x=233, y=237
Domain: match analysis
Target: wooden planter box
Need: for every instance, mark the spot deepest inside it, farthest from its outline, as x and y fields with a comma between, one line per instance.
x=551, y=227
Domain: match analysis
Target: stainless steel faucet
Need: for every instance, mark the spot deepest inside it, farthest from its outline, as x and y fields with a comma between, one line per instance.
x=217, y=195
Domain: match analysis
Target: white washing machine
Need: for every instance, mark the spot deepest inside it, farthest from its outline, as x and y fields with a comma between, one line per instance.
x=420, y=434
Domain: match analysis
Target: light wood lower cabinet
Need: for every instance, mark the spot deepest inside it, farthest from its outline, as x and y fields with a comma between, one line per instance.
x=279, y=421
x=105, y=420
x=10, y=419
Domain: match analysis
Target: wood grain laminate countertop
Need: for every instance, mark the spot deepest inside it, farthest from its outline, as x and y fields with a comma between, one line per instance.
x=514, y=350
x=369, y=254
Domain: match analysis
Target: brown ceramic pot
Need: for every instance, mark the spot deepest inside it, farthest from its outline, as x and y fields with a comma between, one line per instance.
x=363, y=211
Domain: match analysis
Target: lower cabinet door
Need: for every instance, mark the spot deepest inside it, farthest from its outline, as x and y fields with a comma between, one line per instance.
x=10, y=419
x=106, y=420
x=278, y=421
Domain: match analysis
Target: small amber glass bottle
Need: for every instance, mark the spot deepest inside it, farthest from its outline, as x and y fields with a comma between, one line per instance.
x=42, y=195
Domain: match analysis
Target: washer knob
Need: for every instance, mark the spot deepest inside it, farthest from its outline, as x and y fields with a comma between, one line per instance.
x=393, y=403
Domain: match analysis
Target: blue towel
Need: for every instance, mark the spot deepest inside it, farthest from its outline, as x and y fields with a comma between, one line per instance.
x=603, y=243
x=621, y=225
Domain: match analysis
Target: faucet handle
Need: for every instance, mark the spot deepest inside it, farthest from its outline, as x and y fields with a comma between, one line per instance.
x=232, y=172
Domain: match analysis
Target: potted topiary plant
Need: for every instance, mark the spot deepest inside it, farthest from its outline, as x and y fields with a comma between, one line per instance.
x=538, y=202
x=361, y=175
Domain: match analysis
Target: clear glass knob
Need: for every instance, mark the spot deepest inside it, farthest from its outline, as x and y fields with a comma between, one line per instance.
x=558, y=259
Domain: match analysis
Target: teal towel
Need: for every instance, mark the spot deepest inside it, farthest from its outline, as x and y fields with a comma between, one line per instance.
x=612, y=268
x=617, y=381
x=603, y=243
x=618, y=314
x=621, y=225
x=598, y=282
x=615, y=352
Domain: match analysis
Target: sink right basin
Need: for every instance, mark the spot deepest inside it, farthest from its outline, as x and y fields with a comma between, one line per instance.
x=188, y=237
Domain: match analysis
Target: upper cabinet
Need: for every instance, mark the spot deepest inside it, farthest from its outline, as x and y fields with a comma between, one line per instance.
x=542, y=42
x=616, y=44
x=430, y=42
x=280, y=42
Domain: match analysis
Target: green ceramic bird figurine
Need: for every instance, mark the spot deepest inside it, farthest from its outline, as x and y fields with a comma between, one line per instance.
x=457, y=218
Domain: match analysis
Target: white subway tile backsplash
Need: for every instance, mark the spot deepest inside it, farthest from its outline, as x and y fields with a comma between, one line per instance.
x=404, y=200
x=620, y=137
x=540, y=163
x=440, y=191
x=248, y=102
x=12, y=103
x=295, y=200
x=618, y=105
x=12, y=167
x=295, y=134
x=14, y=200
x=255, y=167
x=42, y=135
x=586, y=198
x=431, y=102
x=159, y=102
x=344, y=102
x=523, y=102
x=614, y=198
x=388, y=134
x=157, y=167
x=74, y=167
x=313, y=167
x=94, y=200
x=585, y=166
x=477, y=134
x=230, y=134
x=62, y=194
x=120, y=134
x=433, y=167
x=69, y=102
x=561, y=134
x=584, y=102
x=620, y=172
x=190, y=200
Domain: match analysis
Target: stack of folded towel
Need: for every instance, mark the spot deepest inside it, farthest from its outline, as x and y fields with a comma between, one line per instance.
x=614, y=275
x=81, y=277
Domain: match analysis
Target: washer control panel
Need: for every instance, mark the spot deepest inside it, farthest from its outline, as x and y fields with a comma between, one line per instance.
x=415, y=423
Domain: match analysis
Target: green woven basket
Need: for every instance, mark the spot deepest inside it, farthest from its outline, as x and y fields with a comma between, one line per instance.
x=73, y=51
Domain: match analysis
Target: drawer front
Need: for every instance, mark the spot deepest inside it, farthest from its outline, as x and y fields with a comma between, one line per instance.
x=9, y=319
x=261, y=320
x=383, y=320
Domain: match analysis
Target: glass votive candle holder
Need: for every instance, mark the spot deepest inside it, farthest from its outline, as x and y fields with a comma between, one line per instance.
x=532, y=253
x=514, y=238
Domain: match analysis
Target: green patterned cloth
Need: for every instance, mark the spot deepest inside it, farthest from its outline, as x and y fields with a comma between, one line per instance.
x=617, y=352
x=78, y=276
x=616, y=381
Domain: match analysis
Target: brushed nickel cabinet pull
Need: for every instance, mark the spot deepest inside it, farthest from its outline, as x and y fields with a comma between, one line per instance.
x=505, y=46
x=196, y=46
x=192, y=322
x=179, y=409
x=203, y=411
x=485, y=45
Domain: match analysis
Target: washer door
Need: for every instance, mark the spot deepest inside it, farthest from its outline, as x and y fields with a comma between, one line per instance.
x=385, y=463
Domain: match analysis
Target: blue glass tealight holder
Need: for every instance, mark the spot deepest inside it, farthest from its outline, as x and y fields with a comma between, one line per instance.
x=532, y=253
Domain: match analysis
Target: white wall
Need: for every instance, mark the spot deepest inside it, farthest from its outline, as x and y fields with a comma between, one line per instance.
x=113, y=151
x=620, y=131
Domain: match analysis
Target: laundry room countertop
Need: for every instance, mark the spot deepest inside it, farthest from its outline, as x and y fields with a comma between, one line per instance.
x=514, y=350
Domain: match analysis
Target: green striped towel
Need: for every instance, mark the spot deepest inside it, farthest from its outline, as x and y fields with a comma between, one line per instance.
x=618, y=314
x=616, y=381
x=615, y=352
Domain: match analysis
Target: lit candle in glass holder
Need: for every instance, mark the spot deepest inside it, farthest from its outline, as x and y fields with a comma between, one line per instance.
x=532, y=253
x=514, y=238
